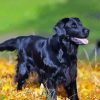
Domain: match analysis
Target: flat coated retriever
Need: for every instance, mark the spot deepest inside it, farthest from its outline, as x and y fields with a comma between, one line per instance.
x=53, y=58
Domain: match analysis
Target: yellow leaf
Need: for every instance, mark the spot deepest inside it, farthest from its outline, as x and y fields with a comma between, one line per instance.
x=6, y=88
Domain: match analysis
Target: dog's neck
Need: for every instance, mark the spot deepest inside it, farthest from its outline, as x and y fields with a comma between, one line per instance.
x=69, y=47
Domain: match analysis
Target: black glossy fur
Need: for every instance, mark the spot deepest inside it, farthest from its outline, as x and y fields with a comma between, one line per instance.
x=53, y=58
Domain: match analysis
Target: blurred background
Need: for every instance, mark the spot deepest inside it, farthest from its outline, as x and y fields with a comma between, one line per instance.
x=25, y=17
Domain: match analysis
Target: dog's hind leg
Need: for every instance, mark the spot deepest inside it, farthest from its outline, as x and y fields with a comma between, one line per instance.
x=21, y=75
x=22, y=69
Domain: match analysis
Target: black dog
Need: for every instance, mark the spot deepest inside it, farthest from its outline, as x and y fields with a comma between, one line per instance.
x=53, y=58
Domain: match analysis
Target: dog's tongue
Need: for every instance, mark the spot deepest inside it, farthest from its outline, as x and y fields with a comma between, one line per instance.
x=80, y=41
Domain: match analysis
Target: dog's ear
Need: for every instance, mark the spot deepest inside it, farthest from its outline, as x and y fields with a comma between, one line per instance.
x=77, y=19
x=59, y=28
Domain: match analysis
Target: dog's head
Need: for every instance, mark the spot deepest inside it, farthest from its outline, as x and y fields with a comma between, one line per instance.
x=73, y=29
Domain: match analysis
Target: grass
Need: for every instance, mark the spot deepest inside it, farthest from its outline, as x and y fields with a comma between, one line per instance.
x=25, y=16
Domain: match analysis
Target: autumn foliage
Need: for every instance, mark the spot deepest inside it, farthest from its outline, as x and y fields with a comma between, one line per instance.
x=88, y=83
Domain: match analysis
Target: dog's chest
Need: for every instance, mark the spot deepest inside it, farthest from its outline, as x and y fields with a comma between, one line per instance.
x=61, y=57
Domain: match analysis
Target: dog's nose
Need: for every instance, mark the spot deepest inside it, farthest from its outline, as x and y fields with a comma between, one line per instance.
x=86, y=31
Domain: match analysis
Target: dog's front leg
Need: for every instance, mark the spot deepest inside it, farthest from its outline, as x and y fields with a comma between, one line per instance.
x=51, y=90
x=71, y=91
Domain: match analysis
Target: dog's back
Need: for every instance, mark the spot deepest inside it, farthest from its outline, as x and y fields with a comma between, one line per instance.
x=19, y=42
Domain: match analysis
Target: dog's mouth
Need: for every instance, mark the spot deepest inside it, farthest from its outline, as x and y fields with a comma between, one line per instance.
x=80, y=40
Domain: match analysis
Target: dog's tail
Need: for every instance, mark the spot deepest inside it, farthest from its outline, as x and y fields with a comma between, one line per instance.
x=9, y=45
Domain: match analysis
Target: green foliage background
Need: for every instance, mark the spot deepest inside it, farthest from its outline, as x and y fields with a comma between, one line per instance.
x=25, y=17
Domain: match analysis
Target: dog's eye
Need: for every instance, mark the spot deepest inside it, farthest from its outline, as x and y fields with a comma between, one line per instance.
x=74, y=25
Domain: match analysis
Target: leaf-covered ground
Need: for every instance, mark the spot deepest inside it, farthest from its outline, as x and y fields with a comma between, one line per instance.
x=88, y=83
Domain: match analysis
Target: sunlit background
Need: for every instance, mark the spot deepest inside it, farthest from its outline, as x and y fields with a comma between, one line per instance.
x=25, y=17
